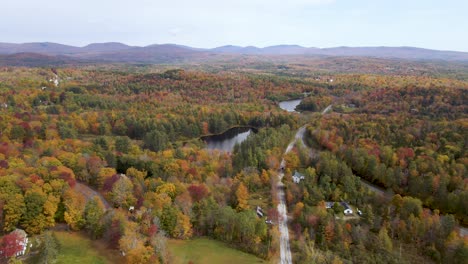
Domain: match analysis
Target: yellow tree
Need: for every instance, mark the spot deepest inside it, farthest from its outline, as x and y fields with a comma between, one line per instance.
x=134, y=173
x=167, y=188
x=104, y=174
x=242, y=195
x=183, y=227
x=13, y=210
x=74, y=206
x=265, y=177
x=133, y=245
x=50, y=207
x=156, y=201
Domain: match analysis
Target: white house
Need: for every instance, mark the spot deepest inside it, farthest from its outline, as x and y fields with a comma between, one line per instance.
x=23, y=241
x=297, y=177
x=259, y=212
x=347, y=209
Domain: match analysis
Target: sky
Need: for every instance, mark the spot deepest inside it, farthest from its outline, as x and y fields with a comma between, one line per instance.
x=441, y=24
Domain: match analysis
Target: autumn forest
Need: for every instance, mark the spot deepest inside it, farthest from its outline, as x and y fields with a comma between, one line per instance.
x=116, y=152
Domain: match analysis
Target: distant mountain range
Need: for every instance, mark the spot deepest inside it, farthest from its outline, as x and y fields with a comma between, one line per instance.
x=33, y=54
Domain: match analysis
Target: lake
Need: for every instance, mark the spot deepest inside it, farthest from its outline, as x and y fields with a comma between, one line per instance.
x=290, y=105
x=227, y=140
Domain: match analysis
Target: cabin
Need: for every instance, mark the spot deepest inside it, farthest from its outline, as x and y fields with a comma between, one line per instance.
x=298, y=177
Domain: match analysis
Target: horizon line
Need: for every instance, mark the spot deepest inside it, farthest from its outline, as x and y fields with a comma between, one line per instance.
x=227, y=45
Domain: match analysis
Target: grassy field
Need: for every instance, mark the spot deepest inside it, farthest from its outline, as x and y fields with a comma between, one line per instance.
x=76, y=248
x=204, y=250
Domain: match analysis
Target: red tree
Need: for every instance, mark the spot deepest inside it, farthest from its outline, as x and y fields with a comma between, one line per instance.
x=197, y=192
x=10, y=245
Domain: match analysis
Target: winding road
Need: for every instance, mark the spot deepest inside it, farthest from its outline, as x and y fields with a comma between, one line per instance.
x=89, y=194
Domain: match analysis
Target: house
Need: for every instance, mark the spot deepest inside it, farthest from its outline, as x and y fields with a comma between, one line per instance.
x=347, y=209
x=23, y=241
x=260, y=212
x=297, y=177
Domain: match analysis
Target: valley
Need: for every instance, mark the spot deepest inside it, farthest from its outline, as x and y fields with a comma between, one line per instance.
x=147, y=160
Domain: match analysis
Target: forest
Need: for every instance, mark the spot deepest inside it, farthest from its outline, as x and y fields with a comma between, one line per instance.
x=132, y=134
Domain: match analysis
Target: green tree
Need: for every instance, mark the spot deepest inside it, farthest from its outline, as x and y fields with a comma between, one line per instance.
x=49, y=248
x=17, y=133
x=411, y=206
x=34, y=220
x=169, y=220
x=156, y=140
x=94, y=210
x=122, y=144
x=385, y=240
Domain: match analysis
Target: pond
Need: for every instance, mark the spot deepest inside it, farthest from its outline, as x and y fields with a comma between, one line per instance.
x=227, y=140
x=290, y=105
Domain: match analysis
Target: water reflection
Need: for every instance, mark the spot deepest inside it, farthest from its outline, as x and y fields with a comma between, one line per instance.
x=227, y=140
x=290, y=105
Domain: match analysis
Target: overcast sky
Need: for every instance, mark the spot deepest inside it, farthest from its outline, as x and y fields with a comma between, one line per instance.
x=441, y=24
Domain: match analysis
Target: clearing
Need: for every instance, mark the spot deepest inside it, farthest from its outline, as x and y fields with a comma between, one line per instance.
x=204, y=250
x=77, y=248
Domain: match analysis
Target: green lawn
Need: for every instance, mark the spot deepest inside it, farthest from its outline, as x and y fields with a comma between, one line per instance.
x=204, y=250
x=76, y=248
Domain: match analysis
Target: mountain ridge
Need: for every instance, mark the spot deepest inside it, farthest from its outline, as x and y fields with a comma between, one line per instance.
x=167, y=53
